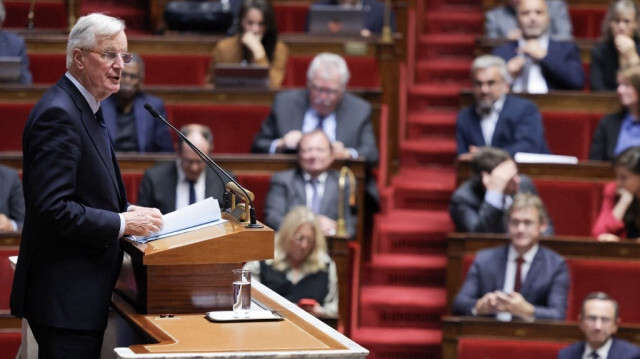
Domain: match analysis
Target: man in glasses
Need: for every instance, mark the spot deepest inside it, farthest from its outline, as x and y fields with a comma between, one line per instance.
x=599, y=321
x=76, y=206
x=131, y=127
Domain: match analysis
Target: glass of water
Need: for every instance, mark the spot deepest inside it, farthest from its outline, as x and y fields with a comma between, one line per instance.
x=241, y=292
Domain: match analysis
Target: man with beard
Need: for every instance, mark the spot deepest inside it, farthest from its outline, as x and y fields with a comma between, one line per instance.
x=131, y=127
x=498, y=119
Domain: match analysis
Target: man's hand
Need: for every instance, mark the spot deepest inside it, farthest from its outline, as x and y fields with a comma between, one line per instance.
x=515, y=66
x=515, y=304
x=499, y=178
x=142, y=221
x=327, y=225
x=608, y=237
x=5, y=223
x=514, y=34
x=533, y=49
x=339, y=150
x=290, y=140
x=487, y=304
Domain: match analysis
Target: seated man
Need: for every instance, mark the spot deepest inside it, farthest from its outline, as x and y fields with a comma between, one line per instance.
x=131, y=127
x=174, y=185
x=13, y=45
x=312, y=184
x=521, y=279
x=498, y=119
x=537, y=63
x=502, y=22
x=599, y=322
x=11, y=200
x=480, y=203
x=374, y=13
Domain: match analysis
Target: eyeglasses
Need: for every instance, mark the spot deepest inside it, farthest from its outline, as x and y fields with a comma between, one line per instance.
x=111, y=55
x=301, y=239
x=325, y=90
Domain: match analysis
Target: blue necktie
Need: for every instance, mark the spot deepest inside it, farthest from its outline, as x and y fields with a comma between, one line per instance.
x=315, y=196
x=192, y=192
x=320, y=122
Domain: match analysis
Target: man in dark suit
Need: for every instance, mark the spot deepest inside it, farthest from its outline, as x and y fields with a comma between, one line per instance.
x=76, y=205
x=599, y=322
x=174, y=185
x=502, y=22
x=522, y=279
x=537, y=63
x=11, y=200
x=131, y=127
x=13, y=45
x=312, y=184
x=496, y=118
x=480, y=203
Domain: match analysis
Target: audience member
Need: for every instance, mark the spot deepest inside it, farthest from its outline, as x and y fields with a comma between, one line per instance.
x=619, y=47
x=618, y=131
x=131, y=127
x=498, y=119
x=536, y=62
x=480, y=203
x=13, y=45
x=256, y=43
x=312, y=184
x=521, y=279
x=502, y=22
x=301, y=270
x=374, y=13
x=599, y=322
x=620, y=211
x=174, y=185
x=11, y=200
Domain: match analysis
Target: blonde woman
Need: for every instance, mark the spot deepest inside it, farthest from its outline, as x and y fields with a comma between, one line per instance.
x=301, y=270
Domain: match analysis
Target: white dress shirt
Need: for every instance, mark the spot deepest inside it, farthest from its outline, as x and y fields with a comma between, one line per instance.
x=602, y=352
x=488, y=121
x=510, y=273
x=182, y=187
x=536, y=83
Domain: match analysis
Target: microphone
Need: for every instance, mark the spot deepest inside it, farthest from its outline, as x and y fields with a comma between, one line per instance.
x=211, y=163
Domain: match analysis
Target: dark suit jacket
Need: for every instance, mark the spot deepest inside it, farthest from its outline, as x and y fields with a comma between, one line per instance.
x=152, y=135
x=158, y=187
x=603, y=71
x=502, y=19
x=373, y=15
x=561, y=68
x=70, y=254
x=471, y=213
x=605, y=138
x=287, y=191
x=13, y=45
x=545, y=286
x=353, y=125
x=11, y=197
x=620, y=349
x=519, y=128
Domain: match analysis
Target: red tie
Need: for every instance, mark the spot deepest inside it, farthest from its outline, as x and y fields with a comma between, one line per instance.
x=516, y=283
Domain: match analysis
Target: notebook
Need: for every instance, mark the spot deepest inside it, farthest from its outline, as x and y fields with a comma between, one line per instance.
x=334, y=19
x=9, y=68
x=241, y=76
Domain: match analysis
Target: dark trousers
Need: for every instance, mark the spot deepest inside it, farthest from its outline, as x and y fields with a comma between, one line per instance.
x=60, y=343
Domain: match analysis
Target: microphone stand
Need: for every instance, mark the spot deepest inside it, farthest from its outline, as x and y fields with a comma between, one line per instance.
x=344, y=171
x=211, y=163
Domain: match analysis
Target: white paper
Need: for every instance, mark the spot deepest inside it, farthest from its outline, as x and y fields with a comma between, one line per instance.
x=203, y=213
x=523, y=157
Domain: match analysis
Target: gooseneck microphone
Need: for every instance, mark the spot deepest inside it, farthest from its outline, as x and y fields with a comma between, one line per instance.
x=211, y=163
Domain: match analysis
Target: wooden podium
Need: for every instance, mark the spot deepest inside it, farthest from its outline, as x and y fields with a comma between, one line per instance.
x=190, y=272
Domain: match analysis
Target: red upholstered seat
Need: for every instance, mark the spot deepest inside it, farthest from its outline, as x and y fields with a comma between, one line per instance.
x=474, y=348
x=10, y=340
x=291, y=17
x=14, y=116
x=570, y=133
x=6, y=275
x=47, y=14
x=131, y=185
x=586, y=21
x=188, y=70
x=47, y=68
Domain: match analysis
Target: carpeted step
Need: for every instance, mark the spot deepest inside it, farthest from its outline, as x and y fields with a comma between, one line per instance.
x=427, y=97
x=455, y=20
x=446, y=46
x=412, y=191
x=412, y=232
x=431, y=123
x=405, y=270
x=397, y=306
x=434, y=71
x=399, y=343
x=428, y=151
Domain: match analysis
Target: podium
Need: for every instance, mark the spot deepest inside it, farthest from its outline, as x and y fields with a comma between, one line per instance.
x=190, y=272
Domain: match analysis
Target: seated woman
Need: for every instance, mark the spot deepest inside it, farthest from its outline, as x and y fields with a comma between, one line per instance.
x=619, y=48
x=620, y=212
x=301, y=270
x=256, y=43
x=619, y=131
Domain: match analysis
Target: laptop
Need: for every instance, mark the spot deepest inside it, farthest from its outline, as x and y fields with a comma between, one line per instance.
x=9, y=68
x=241, y=76
x=335, y=19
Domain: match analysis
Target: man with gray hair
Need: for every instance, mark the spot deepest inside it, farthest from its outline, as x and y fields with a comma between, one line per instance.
x=13, y=45
x=497, y=118
x=76, y=206
x=325, y=105
x=131, y=127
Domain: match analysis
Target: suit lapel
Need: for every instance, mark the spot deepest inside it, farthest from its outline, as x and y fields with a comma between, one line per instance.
x=141, y=121
x=476, y=131
x=500, y=124
x=299, y=193
x=534, y=272
x=502, y=267
x=296, y=118
x=329, y=197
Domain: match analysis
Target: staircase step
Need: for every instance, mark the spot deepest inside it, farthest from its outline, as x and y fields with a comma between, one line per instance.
x=427, y=151
x=434, y=71
x=405, y=270
x=428, y=97
x=394, y=306
x=399, y=343
x=446, y=46
x=455, y=22
x=430, y=123
x=412, y=232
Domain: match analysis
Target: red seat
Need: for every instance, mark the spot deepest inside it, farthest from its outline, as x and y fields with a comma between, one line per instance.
x=47, y=14
x=291, y=17
x=14, y=116
x=188, y=70
x=132, y=182
x=560, y=126
x=473, y=348
x=6, y=275
x=586, y=21
x=47, y=68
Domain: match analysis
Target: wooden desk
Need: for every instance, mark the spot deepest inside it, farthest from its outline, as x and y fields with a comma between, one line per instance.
x=299, y=335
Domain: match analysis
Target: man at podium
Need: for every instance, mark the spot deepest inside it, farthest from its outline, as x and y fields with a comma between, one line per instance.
x=76, y=206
